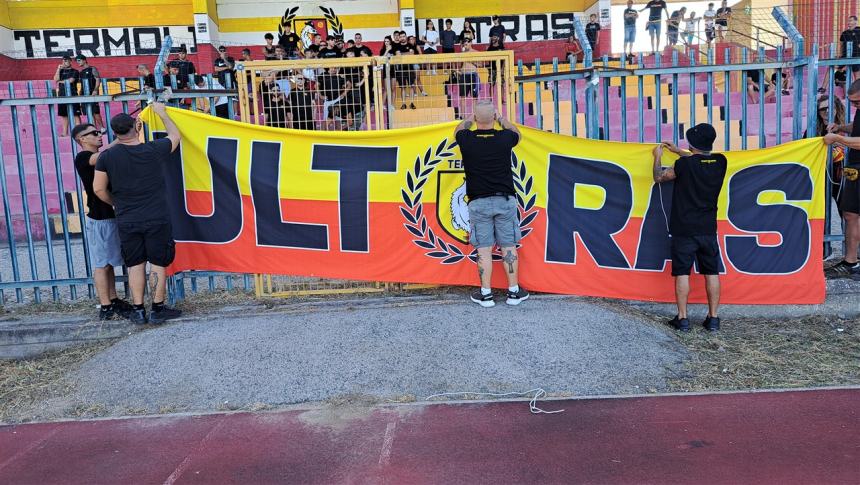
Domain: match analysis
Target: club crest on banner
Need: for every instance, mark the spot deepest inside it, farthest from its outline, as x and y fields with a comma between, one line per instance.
x=452, y=212
x=307, y=27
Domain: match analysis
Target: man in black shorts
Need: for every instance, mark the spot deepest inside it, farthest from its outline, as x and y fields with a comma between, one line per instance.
x=493, y=206
x=90, y=85
x=849, y=194
x=698, y=176
x=67, y=75
x=138, y=194
x=100, y=227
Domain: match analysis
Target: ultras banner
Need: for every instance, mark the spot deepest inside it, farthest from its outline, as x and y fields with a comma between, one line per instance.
x=390, y=206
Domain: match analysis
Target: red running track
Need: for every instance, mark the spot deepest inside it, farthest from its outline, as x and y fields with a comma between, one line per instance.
x=769, y=437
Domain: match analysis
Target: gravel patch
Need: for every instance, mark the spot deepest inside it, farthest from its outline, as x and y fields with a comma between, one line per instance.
x=567, y=346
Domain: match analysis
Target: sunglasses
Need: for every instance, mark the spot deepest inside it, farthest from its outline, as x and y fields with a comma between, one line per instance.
x=94, y=132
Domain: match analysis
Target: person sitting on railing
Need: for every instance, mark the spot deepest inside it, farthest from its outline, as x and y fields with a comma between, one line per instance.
x=786, y=81
x=692, y=27
x=592, y=32
x=724, y=16
x=710, y=17
x=269, y=48
x=754, y=83
x=573, y=51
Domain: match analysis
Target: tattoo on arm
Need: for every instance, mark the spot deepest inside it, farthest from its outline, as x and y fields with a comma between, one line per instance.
x=510, y=258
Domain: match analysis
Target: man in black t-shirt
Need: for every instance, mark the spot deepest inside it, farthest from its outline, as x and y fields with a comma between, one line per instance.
x=301, y=106
x=134, y=173
x=224, y=66
x=698, y=179
x=592, y=32
x=67, y=78
x=849, y=38
x=630, y=16
x=292, y=42
x=100, y=226
x=359, y=47
x=184, y=66
x=724, y=15
x=493, y=208
x=90, y=85
x=654, y=26
x=849, y=195
x=498, y=30
x=330, y=51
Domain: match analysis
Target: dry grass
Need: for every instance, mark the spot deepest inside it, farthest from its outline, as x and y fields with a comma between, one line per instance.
x=25, y=384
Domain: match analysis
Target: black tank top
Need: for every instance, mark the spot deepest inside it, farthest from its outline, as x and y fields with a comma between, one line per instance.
x=270, y=52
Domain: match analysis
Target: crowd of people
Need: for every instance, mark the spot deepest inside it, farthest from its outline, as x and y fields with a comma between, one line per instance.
x=679, y=26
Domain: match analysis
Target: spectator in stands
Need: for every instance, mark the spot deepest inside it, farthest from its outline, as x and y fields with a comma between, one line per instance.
x=246, y=55
x=785, y=84
x=430, y=38
x=849, y=40
x=204, y=104
x=698, y=179
x=360, y=48
x=724, y=16
x=388, y=50
x=710, y=19
x=318, y=41
x=352, y=107
x=573, y=50
x=469, y=82
x=334, y=89
x=348, y=47
x=468, y=32
x=100, y=227
x=849, y=194
x=413, y=49
x=90, y=84
x=402, y=41
x=486, y=154
x=673, y=24
x=838, y=157
x=448, y=38
x=274, y=102
x=224, y=66
x=369, y=80
x=129, y=176
x=630, y=16
x=495, y=45
x=269, y=48
x=592, y=32
x=185, y=67
x=692, y=27
x=655, y=21
x=754, y=83
x=310, y=73
x=405, y=76
x=291, y=42
x=330, y=51
x=301, y=101
x=67, y=78
x=280, y=53
x=654, y=26
x=498, y=30
x=148, y=78
x=174, y=80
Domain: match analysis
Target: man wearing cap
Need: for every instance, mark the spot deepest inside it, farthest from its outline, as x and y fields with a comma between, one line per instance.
x=100, y=226
x=138, y=194
x=183, y=65
x=66, y=74
x=698, y=178
x=90, y=85
x=493, y=209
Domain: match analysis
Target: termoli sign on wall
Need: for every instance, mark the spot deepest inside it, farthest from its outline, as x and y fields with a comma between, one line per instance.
x=96, y=42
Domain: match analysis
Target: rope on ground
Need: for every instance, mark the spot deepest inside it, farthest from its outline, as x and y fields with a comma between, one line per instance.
x=538, y=393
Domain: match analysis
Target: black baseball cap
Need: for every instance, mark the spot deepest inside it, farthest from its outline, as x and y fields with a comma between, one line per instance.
x=701, y=137
x=122, y=123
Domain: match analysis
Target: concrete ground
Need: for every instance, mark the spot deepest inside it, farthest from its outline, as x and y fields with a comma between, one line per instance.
x=386, y=350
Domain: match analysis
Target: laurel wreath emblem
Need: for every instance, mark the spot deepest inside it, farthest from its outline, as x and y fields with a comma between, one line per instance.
x=332, y=19
x=413, y=208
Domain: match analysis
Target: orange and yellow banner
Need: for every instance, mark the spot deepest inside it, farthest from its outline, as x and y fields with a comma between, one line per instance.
x=389, y=206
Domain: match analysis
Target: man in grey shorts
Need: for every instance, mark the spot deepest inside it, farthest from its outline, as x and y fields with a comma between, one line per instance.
x=101, y=230
x=492, y=204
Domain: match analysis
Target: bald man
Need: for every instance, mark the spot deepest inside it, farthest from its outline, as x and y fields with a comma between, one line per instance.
x=493, y=220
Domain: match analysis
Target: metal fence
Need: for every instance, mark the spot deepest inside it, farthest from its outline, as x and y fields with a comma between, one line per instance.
x=648, y=100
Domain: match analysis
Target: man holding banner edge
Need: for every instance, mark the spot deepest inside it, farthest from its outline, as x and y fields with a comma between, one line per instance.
x=698, y=179
x=493, y=220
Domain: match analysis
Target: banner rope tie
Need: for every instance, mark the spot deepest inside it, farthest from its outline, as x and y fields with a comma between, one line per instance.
x=533, y=408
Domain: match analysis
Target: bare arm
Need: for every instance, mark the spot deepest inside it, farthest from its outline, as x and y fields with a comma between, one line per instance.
x=169, y=126
x=508, y=125
x=852, y=142
x=57, y=73
x=95, y=156
x=661, y=175
x=464, y=125
x=100, y=184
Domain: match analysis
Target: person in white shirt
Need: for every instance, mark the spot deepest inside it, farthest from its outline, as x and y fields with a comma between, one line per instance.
x=692, y=28
x=430, y=38
x=220, y=103
x=710, y=16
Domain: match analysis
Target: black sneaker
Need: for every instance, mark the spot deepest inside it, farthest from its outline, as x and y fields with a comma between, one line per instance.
x=711, y=324
x=122, y=307
x=680, y=324
x=515, y=298
x=480, y=298
x=106, y=312
x=138, y=317
x=165, y=313
x=403, y=106
x=411, y=105
x=843, y=269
